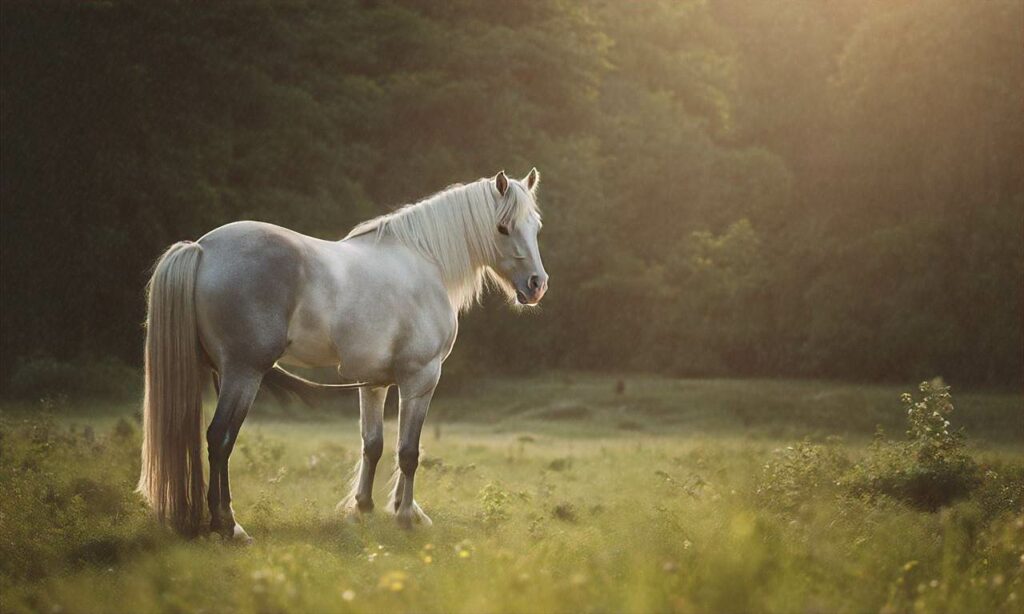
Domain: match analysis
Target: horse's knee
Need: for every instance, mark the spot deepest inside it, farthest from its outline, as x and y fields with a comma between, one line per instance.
x=373, y=448
x=408, y=459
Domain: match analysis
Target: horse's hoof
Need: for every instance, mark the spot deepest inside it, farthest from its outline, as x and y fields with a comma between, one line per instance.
x=353, y=511
x=356, y=515
x=240, y=537
x=413, y=516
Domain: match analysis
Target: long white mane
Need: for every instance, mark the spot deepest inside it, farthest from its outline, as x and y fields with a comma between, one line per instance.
x=455, y=229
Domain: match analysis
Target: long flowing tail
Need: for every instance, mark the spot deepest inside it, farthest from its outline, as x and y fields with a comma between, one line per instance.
x=172, y=465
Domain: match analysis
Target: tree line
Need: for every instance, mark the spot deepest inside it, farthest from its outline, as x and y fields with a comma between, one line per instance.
x=730, y=187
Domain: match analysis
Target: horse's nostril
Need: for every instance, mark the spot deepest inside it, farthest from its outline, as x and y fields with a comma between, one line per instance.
x=533, y=283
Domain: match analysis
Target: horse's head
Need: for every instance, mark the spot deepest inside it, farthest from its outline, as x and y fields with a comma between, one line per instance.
x=519, y=263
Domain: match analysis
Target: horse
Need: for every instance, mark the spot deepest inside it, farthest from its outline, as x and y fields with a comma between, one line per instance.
x=381, y=305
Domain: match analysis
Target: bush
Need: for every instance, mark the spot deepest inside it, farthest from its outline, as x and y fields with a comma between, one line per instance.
x=47, y=378
x=799, y=472
x=493, y=502
x=929, y=469
x=68, y=499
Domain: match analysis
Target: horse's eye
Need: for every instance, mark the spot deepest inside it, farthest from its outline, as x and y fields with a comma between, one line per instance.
x=503, y=229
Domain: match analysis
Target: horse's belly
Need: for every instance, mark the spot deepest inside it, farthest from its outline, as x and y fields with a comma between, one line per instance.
x=309, y=342
x=304, y=356
x=309, y=354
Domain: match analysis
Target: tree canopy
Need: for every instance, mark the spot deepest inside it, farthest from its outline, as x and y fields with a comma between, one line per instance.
x=730, y=187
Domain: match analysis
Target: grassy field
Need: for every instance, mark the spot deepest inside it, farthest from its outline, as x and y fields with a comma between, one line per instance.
x=557, y=494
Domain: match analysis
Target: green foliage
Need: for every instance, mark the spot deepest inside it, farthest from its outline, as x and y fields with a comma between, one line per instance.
x=493, y=501
x=931, y=468
x=47, y=378
x=263, y=456
x=800, y=472
x=731, y=187
x=68, y=499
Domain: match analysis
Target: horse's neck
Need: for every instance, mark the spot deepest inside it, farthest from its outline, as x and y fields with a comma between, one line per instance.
x=462, y=291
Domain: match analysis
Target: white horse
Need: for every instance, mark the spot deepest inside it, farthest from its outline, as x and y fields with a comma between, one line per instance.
x=382, y=305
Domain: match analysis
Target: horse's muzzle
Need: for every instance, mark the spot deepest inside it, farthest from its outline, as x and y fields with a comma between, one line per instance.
x=536, y=287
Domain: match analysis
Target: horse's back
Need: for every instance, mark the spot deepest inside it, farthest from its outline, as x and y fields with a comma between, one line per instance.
x=266, y=293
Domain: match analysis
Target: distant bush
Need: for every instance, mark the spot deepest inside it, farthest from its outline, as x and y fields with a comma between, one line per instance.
x=929, y=469
x=47, y=378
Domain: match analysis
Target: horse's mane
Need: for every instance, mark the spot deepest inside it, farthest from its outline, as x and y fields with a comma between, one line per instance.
x=455, y=229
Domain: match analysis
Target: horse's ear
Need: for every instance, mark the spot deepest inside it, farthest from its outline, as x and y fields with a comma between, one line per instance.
x=501, y=183
x=532, y=179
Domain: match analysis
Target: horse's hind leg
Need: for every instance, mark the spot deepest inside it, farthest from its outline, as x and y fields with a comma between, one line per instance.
x=237, y=391
x=371, y=426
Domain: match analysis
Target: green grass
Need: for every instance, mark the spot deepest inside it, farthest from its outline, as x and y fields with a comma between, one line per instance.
x=547, y=494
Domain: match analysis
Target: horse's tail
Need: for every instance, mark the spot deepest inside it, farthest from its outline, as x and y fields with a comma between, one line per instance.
x=172, y=466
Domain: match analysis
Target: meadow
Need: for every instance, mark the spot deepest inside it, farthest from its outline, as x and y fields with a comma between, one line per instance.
x=564, y=493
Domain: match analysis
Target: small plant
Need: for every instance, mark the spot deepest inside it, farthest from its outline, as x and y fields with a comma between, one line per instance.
x=493, y=499
x=565, y=512
x=798, y=472
x=262, y=455
x=560, y=464
x=124, y=429
x=929, y=469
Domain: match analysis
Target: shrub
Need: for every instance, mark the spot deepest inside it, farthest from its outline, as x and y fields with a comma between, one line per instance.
x=1001, y=489
x=798, y=472
x=48, y=378
x=68, y=499
x=930, y=468
x=493, y=500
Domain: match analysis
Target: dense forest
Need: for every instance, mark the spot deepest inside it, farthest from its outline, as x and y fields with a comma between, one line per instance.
x=730, y=187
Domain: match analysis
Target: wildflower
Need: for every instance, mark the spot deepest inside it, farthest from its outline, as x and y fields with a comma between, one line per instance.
x=393, y=581
x=464, y=549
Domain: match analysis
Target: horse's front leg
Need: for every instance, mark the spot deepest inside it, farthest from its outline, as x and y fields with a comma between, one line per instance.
x=414, y=401
x=371, y=426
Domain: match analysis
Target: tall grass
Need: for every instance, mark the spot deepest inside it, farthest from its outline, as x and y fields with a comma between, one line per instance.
x=531, y=515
